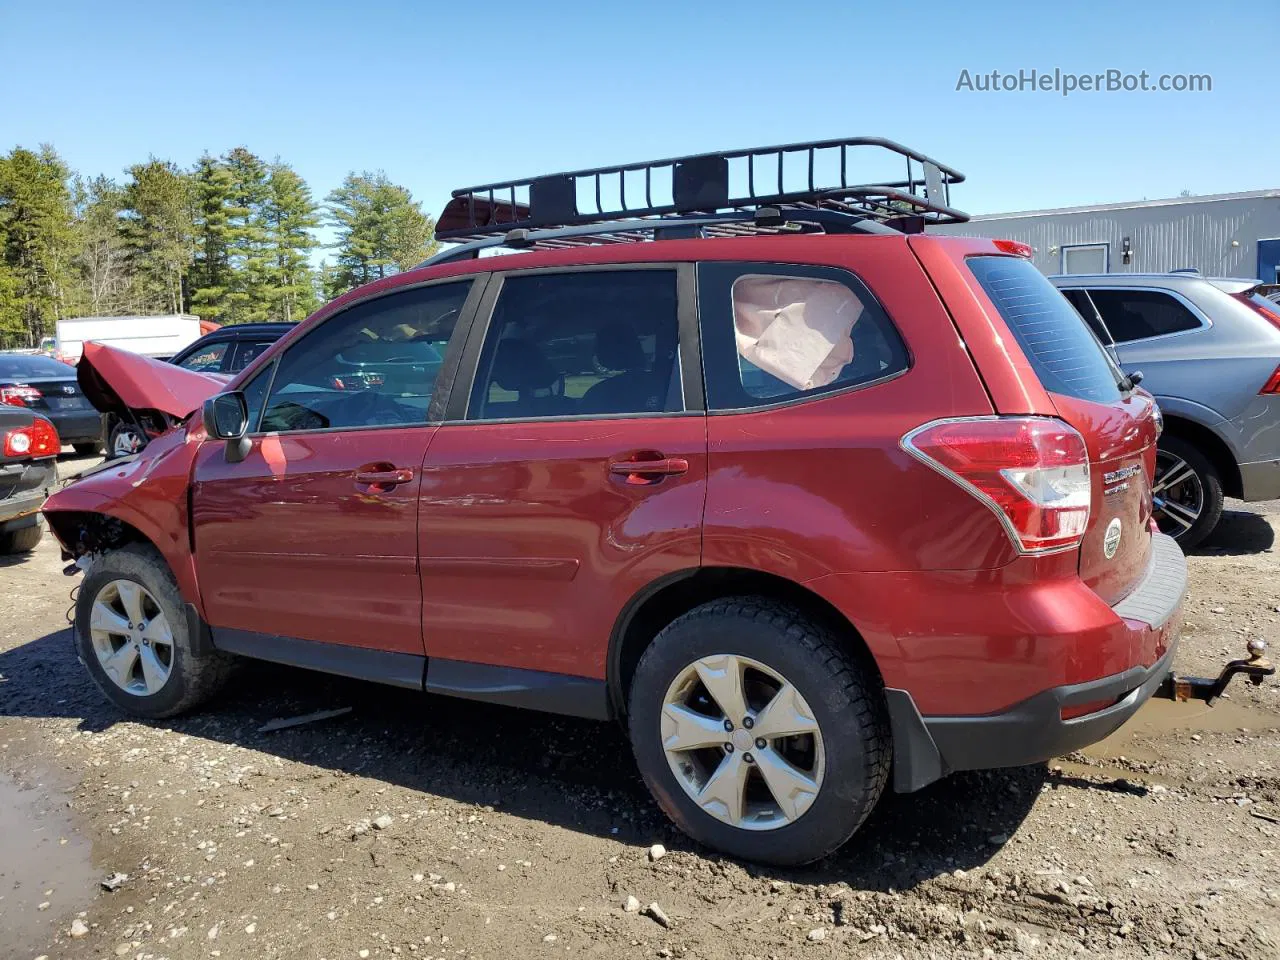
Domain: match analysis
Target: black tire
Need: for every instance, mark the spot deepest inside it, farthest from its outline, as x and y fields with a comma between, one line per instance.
x=193, y=678
x=87, y=449
x=22, y=541
x=842, y=690
x=1211, y=493
x=117, y=431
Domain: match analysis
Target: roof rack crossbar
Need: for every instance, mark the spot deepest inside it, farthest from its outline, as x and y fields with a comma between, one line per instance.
x=701, y=184
x=740, y=223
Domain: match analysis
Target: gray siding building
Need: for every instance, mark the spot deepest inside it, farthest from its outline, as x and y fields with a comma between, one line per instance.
x=1226, y=234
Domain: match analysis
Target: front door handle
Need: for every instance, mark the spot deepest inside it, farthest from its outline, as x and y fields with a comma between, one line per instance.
x=638, y=472
x=383, y=476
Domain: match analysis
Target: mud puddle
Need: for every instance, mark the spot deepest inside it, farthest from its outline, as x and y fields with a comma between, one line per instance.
x=46, y=874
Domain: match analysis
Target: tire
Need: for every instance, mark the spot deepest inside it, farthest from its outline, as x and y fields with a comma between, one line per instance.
x=841, y=693
x=87, y=449
x=1206, y=482
x=190, y=678
x=22, y=541
x=124, y=439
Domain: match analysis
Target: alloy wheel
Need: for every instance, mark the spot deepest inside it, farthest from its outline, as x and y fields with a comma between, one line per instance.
x=127, y=441
x=131, y=637
x=742, y=742
x=1177, y=495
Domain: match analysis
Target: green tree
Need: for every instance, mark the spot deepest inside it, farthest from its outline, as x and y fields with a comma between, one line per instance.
x=36, y=243
x=249, y=298
x=289, y=216
x=103, y=283
x=156, y=224
x=212, y=186
x=381, y=230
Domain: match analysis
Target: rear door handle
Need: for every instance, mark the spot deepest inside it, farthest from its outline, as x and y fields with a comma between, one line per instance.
x=384, y=478
x=649, y=471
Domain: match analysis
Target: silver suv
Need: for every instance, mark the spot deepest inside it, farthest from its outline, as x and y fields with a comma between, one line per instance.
x=1209, y=349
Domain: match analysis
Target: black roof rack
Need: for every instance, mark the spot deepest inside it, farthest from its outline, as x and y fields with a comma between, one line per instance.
x=727, y=193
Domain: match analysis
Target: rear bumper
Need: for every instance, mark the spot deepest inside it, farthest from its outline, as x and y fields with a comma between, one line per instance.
x=23, y=509
x=78, y=426
x=1260, y=481
x=1034, y=730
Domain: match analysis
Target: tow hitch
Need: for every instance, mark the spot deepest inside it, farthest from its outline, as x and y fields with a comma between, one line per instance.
x=1256, y=667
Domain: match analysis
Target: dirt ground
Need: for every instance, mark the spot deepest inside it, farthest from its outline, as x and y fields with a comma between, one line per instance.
x=434, y=828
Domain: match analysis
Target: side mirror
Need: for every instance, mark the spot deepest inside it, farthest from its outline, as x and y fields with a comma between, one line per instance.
x=226, y=417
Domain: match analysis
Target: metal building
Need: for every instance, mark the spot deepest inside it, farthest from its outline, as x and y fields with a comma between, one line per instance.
x=1225, y=234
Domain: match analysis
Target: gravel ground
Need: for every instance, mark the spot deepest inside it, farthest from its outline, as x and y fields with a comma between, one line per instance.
x=426, y=827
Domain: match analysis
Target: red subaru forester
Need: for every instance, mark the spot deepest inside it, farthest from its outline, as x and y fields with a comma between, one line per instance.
x=801, y=493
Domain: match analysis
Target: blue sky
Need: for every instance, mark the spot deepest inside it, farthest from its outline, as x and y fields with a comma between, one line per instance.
x=442, y=95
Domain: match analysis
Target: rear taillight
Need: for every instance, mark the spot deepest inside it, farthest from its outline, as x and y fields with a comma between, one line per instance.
x=1033, y=472
x=1272, y=385
x=37, y=440
x=1260, y=305
x=19, y=396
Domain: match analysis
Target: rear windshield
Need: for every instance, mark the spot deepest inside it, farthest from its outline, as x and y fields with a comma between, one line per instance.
x=17, y=365
x=1062, y=350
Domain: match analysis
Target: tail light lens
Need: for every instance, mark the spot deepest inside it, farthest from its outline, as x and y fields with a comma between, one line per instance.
x=37, y=440
x=1032, y=472
x=1272, y=386
x=19, y=396
x=1260, y=304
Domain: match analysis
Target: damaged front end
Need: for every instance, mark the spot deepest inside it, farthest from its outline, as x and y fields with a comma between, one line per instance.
x=150, y=395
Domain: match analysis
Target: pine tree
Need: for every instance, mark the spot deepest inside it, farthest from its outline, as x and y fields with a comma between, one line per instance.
x=103, y=285
x=290, y=215
x=381, y=229
x=249, y=298
x=36, y=243
x=156, y=224
x=211, y=272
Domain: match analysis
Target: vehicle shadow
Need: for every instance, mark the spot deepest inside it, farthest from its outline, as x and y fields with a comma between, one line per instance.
x=572, y=773
x=1239, y=532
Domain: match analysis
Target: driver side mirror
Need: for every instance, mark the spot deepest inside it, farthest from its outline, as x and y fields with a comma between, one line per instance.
x=226, y=417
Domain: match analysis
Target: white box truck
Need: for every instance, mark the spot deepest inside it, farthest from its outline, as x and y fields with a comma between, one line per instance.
x=160, y=337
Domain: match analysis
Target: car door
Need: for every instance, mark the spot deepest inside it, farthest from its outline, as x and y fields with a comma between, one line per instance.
x=571, y=473
x=313, y=535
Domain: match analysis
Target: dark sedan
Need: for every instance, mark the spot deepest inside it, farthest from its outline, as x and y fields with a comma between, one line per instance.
x=48, y=387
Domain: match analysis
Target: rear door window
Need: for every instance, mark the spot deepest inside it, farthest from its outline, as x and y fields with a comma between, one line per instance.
x=587, y=344
x=1141, y=314
x=1062, y=350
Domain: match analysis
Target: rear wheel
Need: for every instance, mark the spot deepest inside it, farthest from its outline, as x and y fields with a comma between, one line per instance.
x=1187, y=492
x=132, y=635
x=22, y=541
x=757, y=732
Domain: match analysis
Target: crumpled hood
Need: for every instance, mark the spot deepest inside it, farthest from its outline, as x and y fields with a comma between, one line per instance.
x=115, y=380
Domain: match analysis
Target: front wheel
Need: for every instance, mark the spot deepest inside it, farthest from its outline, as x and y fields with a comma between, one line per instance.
x=757, y=732
x=132, y=635
x=1186, y=496
x=125, y=440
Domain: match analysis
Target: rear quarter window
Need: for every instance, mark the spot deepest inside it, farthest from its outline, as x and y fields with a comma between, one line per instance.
x=1062, y=350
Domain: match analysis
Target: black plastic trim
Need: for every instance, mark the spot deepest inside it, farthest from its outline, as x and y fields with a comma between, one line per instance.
x=514, y=687
x=916, y=761
x=198, y=634
x=1162, y=587
x=380, y=666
